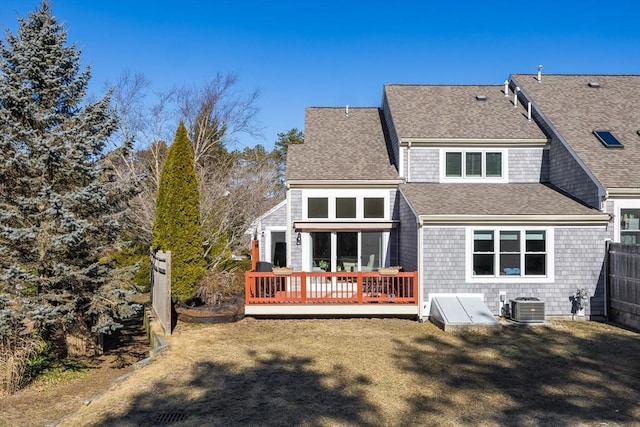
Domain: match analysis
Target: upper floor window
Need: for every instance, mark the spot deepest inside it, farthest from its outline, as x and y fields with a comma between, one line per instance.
x=374, y=207
x=473, y=164
x=318, y=207
x=339, y=204
x=345, y=207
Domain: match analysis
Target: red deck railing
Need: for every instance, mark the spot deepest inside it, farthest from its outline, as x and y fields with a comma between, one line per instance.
x=302, y=287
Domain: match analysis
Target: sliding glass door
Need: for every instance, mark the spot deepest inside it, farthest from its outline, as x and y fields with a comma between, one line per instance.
x=348, y=251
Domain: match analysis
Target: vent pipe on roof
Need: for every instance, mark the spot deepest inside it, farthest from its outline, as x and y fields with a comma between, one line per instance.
x=506, y=88
x=346, y=111
x=515, y=96
x=539, y=73
x=529, y=110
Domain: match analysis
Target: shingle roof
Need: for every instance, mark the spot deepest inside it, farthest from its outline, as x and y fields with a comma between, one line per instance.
x=426, y=111
x=341, y=147
x=490, y=199
x=575, y=109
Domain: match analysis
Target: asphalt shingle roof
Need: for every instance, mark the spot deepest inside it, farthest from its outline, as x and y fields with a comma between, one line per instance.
x=341, y=147
x=428, y=111
x=490, y=199
x=575, y=109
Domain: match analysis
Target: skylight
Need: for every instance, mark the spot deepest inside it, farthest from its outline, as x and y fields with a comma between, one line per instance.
x=607, y=139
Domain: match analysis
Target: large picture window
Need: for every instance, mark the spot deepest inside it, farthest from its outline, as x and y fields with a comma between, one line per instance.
x=473, y=164
x=510, y=253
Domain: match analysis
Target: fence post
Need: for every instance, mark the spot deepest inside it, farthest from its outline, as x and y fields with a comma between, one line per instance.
x=161, y=289
x=168, y=310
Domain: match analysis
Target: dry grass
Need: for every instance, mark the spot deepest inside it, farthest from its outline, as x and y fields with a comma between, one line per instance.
x=368, y=372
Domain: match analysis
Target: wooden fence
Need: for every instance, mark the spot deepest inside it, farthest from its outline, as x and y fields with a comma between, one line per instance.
x=161, y=288
x=623, y=284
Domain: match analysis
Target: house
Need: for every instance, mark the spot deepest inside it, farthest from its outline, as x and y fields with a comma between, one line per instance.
x=489, y=191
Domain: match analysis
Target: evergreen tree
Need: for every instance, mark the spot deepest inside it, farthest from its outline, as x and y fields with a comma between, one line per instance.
x=177, y=223
x=59, y=203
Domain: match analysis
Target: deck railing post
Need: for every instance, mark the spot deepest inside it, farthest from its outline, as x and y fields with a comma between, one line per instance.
x=303, y=287
x=360, y=288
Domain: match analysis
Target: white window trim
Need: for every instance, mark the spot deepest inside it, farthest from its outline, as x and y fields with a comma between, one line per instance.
x=550, y=242
x=443, y=164
x=359, y=194
x=618, y=206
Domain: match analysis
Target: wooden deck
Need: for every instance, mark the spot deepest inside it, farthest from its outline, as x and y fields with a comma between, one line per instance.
x=334, y=293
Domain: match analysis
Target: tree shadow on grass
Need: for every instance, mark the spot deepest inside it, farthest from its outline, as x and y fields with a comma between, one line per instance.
x=526, y=376
x=279, y=390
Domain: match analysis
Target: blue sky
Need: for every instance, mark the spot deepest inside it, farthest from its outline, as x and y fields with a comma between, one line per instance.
x=333, y=53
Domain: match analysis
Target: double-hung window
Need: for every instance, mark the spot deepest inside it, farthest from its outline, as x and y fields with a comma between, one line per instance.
x=472, y=165
x=510, y=253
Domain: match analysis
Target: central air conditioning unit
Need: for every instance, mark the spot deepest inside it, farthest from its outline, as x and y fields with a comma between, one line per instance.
x=527, y=310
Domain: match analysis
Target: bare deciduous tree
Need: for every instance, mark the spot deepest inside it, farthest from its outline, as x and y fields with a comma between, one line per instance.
x=216, y=114
x=235, y=186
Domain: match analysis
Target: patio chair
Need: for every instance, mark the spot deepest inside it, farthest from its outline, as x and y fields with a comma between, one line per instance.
x=369, y=266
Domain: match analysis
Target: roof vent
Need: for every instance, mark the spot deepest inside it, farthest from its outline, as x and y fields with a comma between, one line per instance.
x=481, y=97
x=539, y=73
x=594, y=84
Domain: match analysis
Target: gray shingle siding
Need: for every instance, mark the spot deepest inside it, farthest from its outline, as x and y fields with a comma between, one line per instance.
x=444, y=260
x=407, y=235
x=277, y=218
x=566, y=174
x=295, y=198
x=391, y=131
x=578, y=253
x=528, y=165
x=425, y=165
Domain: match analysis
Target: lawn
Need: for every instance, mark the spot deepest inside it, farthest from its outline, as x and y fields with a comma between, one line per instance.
x=370, y=372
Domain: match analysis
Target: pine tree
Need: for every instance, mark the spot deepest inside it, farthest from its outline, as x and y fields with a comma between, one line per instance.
x=177, y=223
x=59, y=203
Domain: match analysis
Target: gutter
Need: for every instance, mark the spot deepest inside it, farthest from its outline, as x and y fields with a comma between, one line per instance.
x=594, y=219
x=505, y=142
x=327, y=183
x=620, y=193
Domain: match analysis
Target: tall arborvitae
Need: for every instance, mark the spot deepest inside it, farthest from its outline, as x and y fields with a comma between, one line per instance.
x=58, y=202
x=177, y=223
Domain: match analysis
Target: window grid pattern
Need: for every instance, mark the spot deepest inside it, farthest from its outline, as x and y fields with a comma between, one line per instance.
x=516, y=253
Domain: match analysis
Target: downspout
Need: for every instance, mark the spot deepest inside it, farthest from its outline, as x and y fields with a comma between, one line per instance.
x=421, y=302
